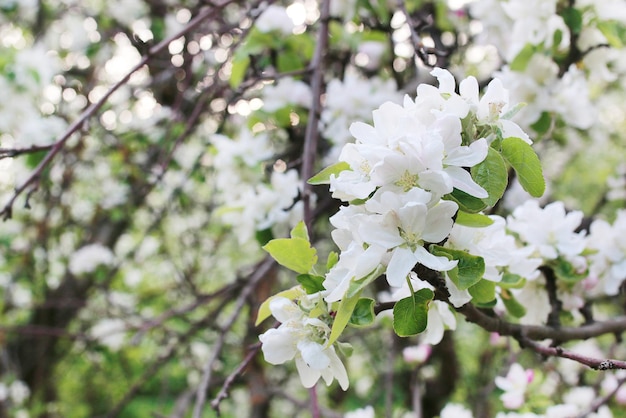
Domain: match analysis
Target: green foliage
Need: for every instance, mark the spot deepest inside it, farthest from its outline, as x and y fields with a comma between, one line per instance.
x=483, y=292
x=310, y=283
x=520, y=62
x=363, y=314
x=475, y=220
x=410, y=315
x=342, y=316
x=323, y=177
x=467, y=203
x=526, y=164
x=296, y=252
x=469, y=270
x=573, y=19
x=512, y=305
x=491, y=174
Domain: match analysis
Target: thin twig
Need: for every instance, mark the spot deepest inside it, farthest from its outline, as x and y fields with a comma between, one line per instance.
x=602, y=401
x=594, y=363
x=311, y=134
x=7, y=211
x=262, y=269
x=215, y=403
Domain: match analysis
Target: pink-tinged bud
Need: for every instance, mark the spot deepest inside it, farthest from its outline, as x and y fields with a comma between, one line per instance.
x=530, y=375
x=417, y=353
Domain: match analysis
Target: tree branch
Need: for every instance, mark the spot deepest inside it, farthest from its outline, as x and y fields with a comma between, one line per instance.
x=596, y=364
x=310, y=139
x=7, y=211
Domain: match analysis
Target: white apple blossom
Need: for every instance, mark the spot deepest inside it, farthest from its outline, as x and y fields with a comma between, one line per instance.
x=285, y=92
x=608, y=262
x=275, y=18
x=88, y=258
x=514, y=385
x=304, y=340
x=367, y=412
x=453, y=410
x=549, y=230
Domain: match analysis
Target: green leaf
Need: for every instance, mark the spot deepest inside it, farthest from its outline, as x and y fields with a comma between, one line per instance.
x=467, y=203
x=342, y=317
x=521, y=60
x=543, y=124
x=492, y=175
x=311, y=283
x=565, y=271
x=294, y=253
x=523, y=159
x=469, y=270
x=289, y=61
x=474, y=220
x=512, y=281
x=264, y=236
x=323, y=177
x=241, y=62
x=333, y=258
x=614, y=33
x=299, y=231
x=363, y=313
x=264, y=309
x=356, y=286
x=512, y=305
x=483, y=292
x=410, y=315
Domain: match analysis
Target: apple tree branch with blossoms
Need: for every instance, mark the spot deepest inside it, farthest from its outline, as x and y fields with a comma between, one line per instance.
x=313, y=208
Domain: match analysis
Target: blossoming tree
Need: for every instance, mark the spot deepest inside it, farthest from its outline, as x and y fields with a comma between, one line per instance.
x=313, y=208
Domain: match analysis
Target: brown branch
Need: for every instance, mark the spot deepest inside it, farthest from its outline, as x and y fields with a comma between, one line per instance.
x=422, y=51
x=311, y=135
x=16, y=152
x=7, y=211
x=262, y=269
x=540, y=332
x=215, y=403
x=594, y=363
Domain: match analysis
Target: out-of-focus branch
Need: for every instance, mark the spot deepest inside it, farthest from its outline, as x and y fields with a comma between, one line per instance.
x=215, y=403
x=422, y=51
x=311, y=135
x=262, y=269
x=7, y=211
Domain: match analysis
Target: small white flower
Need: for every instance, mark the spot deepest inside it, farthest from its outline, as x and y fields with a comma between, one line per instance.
x=514, y=386
x=302, y=339
x=275, y=18
x=87, y=258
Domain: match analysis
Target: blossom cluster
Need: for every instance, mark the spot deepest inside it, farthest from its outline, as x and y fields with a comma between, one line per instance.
x=399, y=171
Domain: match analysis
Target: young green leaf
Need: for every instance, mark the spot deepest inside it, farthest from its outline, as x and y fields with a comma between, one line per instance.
x=483, y=292
x=492, y=175
x=299, y=231
x=512, y=305
x=474, y=220
x=311, y=283
x=241, y=62
x=294, y=253
x=522, y=59
x=467, y=203
x=469, y=270
x=564, y=270
x=342, y=317
x=523, y=159
x=323, y=177
x=512, y=281
x=363, y=313
x=410, y=315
